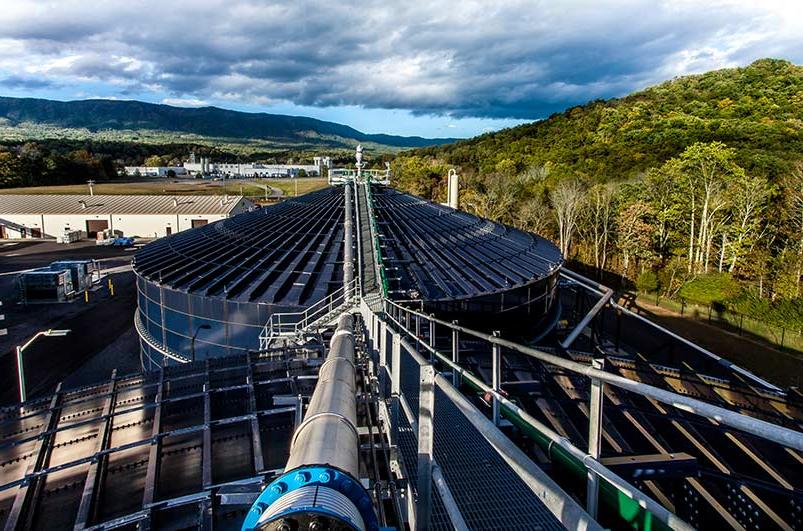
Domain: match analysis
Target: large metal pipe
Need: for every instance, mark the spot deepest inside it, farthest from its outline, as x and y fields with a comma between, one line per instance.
x=328, y=435
x=321, y=479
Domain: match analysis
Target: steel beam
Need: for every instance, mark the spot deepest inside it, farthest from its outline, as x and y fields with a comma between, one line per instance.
x=152, y=474
x=587, y=319
x=23, y=508
x=256, y=436
x=87, y=510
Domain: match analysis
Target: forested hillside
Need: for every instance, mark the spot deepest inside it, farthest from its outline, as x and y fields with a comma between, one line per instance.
x=693, y=187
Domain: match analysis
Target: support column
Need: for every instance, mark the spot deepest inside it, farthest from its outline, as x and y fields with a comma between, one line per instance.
x=594, y=438
x=496, y=367
x=426, y=410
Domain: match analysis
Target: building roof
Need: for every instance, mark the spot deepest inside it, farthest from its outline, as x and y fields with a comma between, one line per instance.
x=118, y=204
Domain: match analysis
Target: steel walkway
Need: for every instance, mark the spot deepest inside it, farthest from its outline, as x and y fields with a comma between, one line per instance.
x=488, y=492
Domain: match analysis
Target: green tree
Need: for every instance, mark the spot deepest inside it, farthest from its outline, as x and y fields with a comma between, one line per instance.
x=154, y=161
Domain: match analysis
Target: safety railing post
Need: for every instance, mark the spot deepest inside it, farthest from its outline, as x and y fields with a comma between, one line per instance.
x=383, y=346
x=455, y=354
x=395, y=387
x=426, y=410
x=417, y=332
x=594, y=438
x=497, y=377
x=395, y=362
x=432, y=338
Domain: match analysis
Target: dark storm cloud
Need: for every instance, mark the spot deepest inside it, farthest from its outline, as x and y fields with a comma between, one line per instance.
x=26, y=83
x=511, y=59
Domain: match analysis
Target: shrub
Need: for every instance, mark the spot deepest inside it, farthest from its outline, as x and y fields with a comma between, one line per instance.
x=709, y=288
x=647, y=281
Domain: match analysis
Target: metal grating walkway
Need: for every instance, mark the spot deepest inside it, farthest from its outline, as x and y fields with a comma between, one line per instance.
x=489, y=494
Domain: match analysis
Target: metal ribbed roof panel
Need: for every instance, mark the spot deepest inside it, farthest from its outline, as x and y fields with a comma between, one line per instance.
x=117, y=204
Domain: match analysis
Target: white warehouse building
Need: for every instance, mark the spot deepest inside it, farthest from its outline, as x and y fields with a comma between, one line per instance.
x=145, y=216
x=155, y=171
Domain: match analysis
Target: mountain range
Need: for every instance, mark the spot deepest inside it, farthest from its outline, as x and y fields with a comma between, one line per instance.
x=99, y=115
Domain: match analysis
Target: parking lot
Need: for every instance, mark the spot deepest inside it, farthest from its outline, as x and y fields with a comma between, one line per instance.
x=101, y=328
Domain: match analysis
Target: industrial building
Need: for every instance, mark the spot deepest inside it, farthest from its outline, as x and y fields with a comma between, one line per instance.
x=410, y=374
x=155, y=171
x=203, y=166
x=145, y=216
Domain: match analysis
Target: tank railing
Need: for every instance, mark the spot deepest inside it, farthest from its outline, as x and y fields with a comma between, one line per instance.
x=401, y=317
x=294, y=323
x=154, y=343
x=600, y=289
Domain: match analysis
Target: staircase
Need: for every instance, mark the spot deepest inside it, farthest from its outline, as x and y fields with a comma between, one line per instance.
x=322, y=314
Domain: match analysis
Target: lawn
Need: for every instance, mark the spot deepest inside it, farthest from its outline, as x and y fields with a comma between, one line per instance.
x=180, y=187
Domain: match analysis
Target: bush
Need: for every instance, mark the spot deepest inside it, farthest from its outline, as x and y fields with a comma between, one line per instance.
x=647, y=281
x=709, y=288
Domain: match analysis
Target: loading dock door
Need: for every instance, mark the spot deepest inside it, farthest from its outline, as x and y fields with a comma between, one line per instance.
x=199, y=223
x=93, y=226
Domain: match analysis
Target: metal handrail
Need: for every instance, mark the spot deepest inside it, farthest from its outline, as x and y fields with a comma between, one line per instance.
x=292, y=323
x=766, y=430
x=379, y=266
x=152, y=342
x=592, y=464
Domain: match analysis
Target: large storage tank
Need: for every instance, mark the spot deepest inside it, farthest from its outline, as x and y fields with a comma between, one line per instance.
x=221, y=282
x=209, y=291
x=461, y=266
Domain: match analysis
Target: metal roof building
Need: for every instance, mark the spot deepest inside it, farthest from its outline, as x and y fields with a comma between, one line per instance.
x=133, y=215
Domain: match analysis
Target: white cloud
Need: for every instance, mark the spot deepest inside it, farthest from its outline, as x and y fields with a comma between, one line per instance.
x=508, y=58
x=185, y=102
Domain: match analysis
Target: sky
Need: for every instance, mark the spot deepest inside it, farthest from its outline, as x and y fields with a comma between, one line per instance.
x=434, y=68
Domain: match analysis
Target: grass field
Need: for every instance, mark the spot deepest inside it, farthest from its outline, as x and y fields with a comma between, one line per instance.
x=180, y=187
